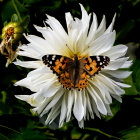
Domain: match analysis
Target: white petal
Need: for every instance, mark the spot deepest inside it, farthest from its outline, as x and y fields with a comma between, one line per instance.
x=41, y=70
x=108, y=110
x=81, y=123
x=40, y=44
x=57, y=27
x=111, y=86
x=40, y=108
x=84, y=102
x=85, y=20
x=116, y=52
x=101, y=28
x=55, y=111
x=29, y=51
x=110, y=28
x=70, y=104
x=118, y=98
x=89, y=108
x=31, y=99
x=36, y=80
x=117, y=73
x=94, y=106
x=53, y=101
x=63, y=110
x=127, y=64
x=58, y=34
x=116, y=64
x=50, y=89
x=69, y=20
x=92, y=30
x=101, y=45
x=121, y=84
x=97, y=99
x=22, y=97
x=103, y=92
x=78, y=109
x=29, y=64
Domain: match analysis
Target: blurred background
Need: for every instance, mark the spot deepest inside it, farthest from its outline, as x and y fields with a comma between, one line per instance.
x=17, y=121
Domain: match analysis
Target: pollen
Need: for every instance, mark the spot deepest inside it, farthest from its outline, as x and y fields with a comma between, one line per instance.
x=10, y=31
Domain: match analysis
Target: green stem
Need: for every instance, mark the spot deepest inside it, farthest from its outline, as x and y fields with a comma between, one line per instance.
x=17, y=10
x=10, y=129
x=4, y=136
x=103, y=133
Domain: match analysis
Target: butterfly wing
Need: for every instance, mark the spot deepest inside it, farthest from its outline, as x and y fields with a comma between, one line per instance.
x=89, y=66
x=64, y=68
x=94, y=64
x=61, y=66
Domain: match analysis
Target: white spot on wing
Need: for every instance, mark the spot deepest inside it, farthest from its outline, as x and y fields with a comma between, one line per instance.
x=53, y=57
x=50, y=62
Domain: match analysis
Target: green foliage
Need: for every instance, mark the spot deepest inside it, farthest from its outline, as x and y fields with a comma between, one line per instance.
x=16, y=120
x=132, y=133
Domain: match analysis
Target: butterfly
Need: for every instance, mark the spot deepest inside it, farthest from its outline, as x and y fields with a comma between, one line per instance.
x=74, y=73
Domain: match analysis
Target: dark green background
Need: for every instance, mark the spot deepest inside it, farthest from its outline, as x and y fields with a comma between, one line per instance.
x=16, y=120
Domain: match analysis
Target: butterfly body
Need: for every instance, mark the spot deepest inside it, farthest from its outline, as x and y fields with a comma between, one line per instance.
x=74, y=73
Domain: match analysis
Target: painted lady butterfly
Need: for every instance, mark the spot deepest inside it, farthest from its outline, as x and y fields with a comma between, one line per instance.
x=73, y=73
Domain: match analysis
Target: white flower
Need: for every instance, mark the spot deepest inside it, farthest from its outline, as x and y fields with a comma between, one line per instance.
x=55, y=104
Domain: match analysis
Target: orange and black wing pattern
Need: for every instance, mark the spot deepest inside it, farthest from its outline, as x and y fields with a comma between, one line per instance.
x=94, y=64
x=89, y=67
x=59, y=65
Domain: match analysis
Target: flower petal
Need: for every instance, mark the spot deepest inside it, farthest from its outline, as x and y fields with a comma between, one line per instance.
x=116, y=52
x=101, y=28
x=110, y=28
x=78, y=109
x=116, y=64
x=127, y=64
x=69, y=104
x=29, y=64
x=39, y=44
x=97, y=99
x=92, y=30
x=89, y=107
x=29, y=51
x=116, y=73
x=63, y=111
x=53, y=101
x=50, y=89
x=110, y=85
x=101, y=45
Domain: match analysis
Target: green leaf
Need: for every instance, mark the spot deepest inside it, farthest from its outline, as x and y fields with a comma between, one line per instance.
x=75, y=134
x=132, y=133
x=5, y=23
x=14, y=18
x=136, y=74
x=132, y=90
x=25, y=21
x=29, y=134
x=7, y=11
x=3, y=96
x=21, y=7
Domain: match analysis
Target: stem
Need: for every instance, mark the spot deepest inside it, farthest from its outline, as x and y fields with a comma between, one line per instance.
x=10, y=129
x=4, y=136
x=103, y=133
x=17, y=10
